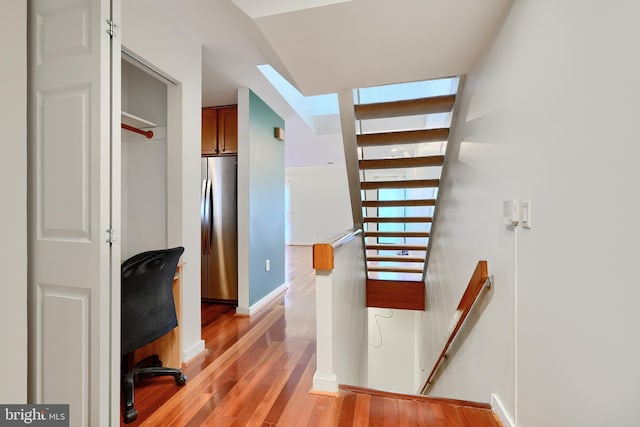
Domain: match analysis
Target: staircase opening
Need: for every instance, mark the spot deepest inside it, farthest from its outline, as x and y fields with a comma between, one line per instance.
x=399, y=149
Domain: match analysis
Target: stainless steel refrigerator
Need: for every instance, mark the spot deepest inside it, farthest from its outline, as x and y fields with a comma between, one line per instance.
x=219, y=235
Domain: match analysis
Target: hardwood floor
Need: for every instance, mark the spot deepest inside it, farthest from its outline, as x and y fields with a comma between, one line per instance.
x=258, y=372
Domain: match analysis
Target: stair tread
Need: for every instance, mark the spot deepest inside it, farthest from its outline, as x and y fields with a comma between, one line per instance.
x=395, y=269
x=398, y=219
x=397, y=258
x=431, y=105
x=396, y=203
x=392, y=282
x=402, y=137
x=401, y=162
x=410, y=183
x=396, y=234
x=394, y=247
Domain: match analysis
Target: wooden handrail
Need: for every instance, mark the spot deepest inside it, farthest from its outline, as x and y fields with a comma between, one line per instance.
x=477, y=283
x=323, y=252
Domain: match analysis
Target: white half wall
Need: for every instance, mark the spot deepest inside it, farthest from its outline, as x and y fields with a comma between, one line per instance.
x=147, y=32
x=549, y=116
x=13, y=192
x=341, y=320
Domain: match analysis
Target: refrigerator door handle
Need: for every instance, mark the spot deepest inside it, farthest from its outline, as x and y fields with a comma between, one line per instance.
x=209, y=215
x=205, y=217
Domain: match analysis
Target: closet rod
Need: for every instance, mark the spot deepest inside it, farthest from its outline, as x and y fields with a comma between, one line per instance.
x=147, y=133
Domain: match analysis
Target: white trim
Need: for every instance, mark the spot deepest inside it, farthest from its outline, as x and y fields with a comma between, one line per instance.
x=325, y=384
x=498, y=407
x=192, y=351
x=134, y=59
x=240, y=311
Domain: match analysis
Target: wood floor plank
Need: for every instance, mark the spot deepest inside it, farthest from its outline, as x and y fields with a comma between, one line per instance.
x=361, y=414
x=181, y=418
x=407, y=411
x=288, y=389
x=324, y=406
x=334, y=412
x=292, y=411
x=197, y=419
x=347, y=412
x=376, y=411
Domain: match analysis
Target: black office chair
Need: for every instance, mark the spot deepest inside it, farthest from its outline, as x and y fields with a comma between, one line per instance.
x=148, y=312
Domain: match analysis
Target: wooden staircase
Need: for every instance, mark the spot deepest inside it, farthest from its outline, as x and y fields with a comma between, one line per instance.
x=400, y=148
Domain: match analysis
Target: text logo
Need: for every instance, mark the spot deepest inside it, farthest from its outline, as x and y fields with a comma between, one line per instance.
x=34, y=415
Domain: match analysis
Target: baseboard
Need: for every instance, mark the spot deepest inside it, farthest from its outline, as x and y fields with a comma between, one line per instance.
x=498, y=408
x=263, y=302
x=325, y=384
x=192, y=351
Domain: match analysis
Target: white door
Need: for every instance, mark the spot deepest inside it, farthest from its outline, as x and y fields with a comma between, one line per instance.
x=73, y=269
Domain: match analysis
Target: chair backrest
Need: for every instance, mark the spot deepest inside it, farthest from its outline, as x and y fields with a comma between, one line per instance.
x=147, y=307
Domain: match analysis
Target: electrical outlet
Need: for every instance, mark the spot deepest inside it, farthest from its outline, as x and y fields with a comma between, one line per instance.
x=267, y=265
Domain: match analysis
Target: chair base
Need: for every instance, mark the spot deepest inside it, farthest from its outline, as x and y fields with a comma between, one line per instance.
x=147, y=368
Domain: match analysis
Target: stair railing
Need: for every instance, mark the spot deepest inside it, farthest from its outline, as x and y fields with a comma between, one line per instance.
x=480, y=280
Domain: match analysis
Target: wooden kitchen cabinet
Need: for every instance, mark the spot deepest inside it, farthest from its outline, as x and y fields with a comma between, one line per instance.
x=219, y=130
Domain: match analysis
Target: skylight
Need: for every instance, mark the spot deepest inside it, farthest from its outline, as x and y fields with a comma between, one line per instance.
x=305, y=106
x=404, y=91
x=324, y=104
x=260, y=8
x=309, y=108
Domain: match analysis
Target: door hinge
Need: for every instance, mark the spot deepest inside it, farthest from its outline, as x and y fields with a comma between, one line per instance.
x=110, y=234
x=111, y=28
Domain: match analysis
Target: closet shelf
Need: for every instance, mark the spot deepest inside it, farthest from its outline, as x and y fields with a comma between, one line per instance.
x=135, y=121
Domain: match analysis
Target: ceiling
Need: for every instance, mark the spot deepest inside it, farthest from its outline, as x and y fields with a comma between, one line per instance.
x=324, y=46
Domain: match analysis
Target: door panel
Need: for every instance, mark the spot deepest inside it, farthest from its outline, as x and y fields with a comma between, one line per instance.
x=228, y=130
x=63, y=149
x=72, y=278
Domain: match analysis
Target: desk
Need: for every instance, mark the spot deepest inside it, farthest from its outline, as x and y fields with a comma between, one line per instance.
x=167, y=347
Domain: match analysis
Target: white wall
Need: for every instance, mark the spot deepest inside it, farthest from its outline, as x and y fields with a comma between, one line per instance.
x=151, y=35
x=144, y=165
x=391, y=350
x=305, y=148
x=143, y=94
x=550, y=116
x=144, y=193
x=318, y=203
x=13, y=193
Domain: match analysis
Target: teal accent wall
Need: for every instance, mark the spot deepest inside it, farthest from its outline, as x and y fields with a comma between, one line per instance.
x=266, y=200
